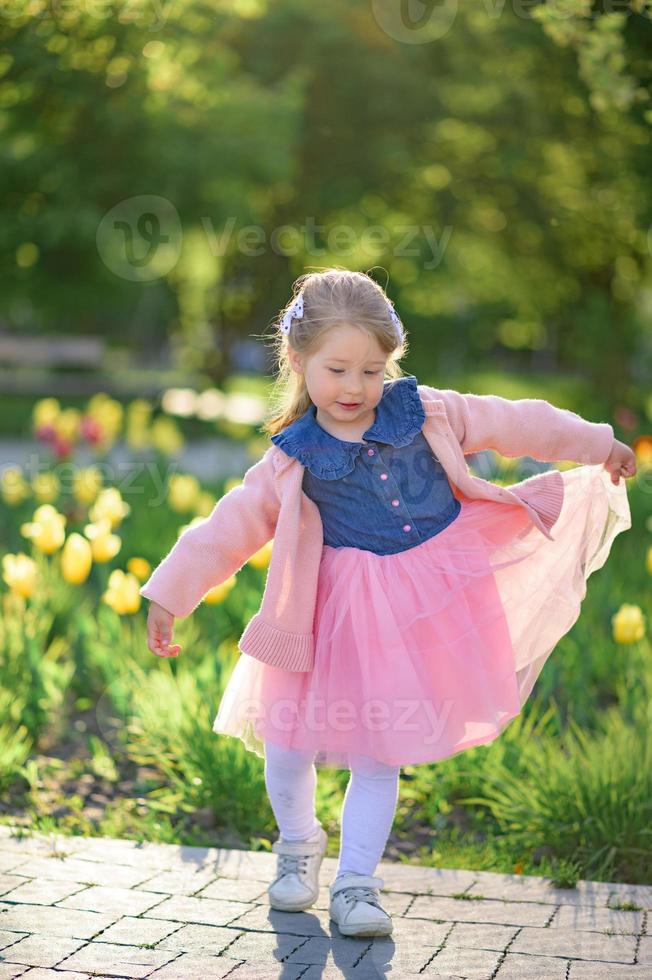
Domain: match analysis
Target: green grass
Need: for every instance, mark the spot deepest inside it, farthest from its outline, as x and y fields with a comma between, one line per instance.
x=100, y=737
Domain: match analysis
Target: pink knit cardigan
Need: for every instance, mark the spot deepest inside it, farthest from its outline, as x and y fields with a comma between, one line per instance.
x=270, y=503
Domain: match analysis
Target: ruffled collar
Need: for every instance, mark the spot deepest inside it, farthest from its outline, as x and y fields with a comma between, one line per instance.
x=399, y=417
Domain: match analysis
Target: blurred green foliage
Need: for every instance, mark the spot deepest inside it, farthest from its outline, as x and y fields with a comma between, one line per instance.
x=494, y=176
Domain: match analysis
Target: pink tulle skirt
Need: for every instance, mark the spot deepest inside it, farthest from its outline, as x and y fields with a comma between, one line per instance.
x=422, y=654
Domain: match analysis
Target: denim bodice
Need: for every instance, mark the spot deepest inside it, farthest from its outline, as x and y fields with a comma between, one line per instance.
x=385, y=493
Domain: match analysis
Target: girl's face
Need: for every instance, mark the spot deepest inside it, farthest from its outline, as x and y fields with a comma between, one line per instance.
x=348, y=369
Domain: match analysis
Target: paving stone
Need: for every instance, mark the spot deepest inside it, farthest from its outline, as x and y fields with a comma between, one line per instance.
x=481, y=935
x=84, y=872
x=10, y=970
x=41, y=950
x=534, y=888
x=266, y=947
x=575, y=944
x=42, y=891
x=284, y=971
x=338, y=950
x=597, y=919
x=9, y=882
x=115, y=960
x=123, y=901
x=362, y=971
x=462, y=910
x=581, y=970
x=474, y=964
x=609, y=893
x=209, y=940
x=189, y=967
x=71, y=907
x=210, y=911
x=521, y=966
x=130, y=930
x=39, y=844
x=10, y=862
x=108, y=850
x=427, y=934
x=645, y=951
x=393, y=955
x=232, y=890
x=43, y=973
x=54, y=921
x=262, y=918
x=519, y=888
x=9, y=938
x=421, y=881
x=188, y=881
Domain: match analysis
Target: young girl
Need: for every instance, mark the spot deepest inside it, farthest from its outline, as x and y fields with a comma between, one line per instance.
x=438, y=596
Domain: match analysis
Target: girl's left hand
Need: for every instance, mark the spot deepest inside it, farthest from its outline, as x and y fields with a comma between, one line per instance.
x=620, y=462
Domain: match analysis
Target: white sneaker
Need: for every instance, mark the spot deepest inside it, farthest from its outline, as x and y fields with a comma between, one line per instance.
x=296, y=885
x=355, y=906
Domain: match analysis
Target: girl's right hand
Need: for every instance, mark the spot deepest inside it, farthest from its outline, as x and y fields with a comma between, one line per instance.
x=160, y=626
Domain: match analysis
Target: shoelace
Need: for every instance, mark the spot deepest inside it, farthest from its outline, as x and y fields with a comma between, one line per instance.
x=291, y=863
x=363, y=892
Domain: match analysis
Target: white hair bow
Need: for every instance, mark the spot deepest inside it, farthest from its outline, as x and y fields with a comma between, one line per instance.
x=295, y=312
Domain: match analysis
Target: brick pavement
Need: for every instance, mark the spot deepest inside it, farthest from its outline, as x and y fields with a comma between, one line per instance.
x=75, y=907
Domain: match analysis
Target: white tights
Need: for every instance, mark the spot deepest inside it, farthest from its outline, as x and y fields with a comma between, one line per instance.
x=367, y=811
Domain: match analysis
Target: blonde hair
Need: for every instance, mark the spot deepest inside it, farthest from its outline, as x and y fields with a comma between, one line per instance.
x=331, y=297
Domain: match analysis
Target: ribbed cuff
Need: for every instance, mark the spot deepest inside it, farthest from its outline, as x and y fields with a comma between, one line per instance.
x=292, y=651
x=544, y=492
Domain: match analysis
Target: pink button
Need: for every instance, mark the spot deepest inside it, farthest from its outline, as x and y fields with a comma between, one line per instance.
x=383, y=476
x=370, y=452
x=407, y=527
x=394, y=503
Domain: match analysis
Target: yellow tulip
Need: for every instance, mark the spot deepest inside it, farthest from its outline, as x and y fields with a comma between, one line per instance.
x=46, y=529
x=76, y=559
x=123, y=592
x=104, y=544
x=648, y=559
x=183, y=491
x=109, y=506
x=628, y=624
x=102, y=421
x=13, y=485
x=137, y=436
x=20, y=573
x=46, y=487
x=86, y=484
x=261, y=558
x=67, y=423
x=219, y=592
x=139, y=409
x=45, y=412
x=107, y=411
x=166, y=435
x=139, y=567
